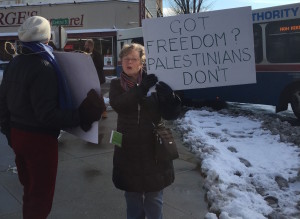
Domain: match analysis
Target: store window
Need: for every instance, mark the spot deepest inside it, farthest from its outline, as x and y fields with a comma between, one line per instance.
x=104, y=45
x=107, y=51
x=283, y=41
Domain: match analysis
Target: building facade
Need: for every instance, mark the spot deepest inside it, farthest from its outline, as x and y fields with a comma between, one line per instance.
x=82, y=20
x=153, y=7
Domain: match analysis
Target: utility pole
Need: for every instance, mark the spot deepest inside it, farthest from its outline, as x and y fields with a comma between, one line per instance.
x=142, y=11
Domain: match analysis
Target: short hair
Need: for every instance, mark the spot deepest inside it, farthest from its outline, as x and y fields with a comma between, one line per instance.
x=90, y=42
x=127, y=48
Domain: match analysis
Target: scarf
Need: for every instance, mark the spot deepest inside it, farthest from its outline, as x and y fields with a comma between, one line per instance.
x=45, y=51
x=127, y=81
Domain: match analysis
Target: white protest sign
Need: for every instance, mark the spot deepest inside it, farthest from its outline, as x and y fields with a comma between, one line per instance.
x=207, y=49
x=81, y=75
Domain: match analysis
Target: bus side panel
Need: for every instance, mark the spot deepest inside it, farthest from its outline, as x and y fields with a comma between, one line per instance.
x=267, y=90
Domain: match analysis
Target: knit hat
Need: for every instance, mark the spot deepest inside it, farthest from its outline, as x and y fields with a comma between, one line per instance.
x=35, y=29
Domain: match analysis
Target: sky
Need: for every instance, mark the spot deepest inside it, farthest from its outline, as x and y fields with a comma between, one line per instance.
x=243, y=163
x=224, y=4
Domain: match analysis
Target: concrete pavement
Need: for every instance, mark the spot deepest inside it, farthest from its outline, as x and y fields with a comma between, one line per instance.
x=84, y=189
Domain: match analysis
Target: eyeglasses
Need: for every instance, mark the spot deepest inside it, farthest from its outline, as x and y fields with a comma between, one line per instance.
x=129, y=59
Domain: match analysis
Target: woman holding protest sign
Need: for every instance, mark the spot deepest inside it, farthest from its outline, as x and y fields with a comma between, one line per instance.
x=135, y=169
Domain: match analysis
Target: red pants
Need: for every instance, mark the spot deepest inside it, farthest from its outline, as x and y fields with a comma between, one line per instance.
x=36, y=160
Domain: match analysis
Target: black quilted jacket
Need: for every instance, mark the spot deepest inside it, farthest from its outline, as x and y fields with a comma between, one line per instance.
x=135, y=169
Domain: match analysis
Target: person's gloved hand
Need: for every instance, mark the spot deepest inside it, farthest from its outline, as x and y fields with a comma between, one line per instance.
x=90, y=109
x=164, y=92
x=147, y=82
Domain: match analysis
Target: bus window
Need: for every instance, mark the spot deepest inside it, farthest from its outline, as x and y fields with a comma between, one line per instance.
x=258, y=45
x=283, y=41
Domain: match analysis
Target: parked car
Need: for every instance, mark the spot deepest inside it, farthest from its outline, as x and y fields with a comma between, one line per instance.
x=3, y=65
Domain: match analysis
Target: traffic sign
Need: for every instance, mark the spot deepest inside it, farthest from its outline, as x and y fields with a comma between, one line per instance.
x=60, y=22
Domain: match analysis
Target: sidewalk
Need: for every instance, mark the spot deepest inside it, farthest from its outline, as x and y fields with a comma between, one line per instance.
x=84, y=189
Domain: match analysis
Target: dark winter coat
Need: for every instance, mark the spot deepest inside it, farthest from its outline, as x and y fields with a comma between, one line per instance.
x=135, y=169
x=99, y=63
x=29, y=97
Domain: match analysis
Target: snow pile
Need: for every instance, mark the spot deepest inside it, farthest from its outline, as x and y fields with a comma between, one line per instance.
x=250, y=173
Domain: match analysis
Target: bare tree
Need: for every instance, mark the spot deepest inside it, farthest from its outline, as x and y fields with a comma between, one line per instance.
x=188, y=6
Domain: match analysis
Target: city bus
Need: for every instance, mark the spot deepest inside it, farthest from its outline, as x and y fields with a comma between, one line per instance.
x=276, y=32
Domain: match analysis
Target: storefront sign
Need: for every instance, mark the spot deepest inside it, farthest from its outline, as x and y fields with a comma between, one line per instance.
x=73, y=16
x=13, y=18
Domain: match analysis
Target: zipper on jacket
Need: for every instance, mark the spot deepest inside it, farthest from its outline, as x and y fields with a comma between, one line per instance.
x=139, y=110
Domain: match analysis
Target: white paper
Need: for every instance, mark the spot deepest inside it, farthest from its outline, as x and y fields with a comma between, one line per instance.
x=207, y=49
x=81, y=75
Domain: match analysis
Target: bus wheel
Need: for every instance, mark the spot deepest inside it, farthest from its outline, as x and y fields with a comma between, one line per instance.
x=295, y=102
